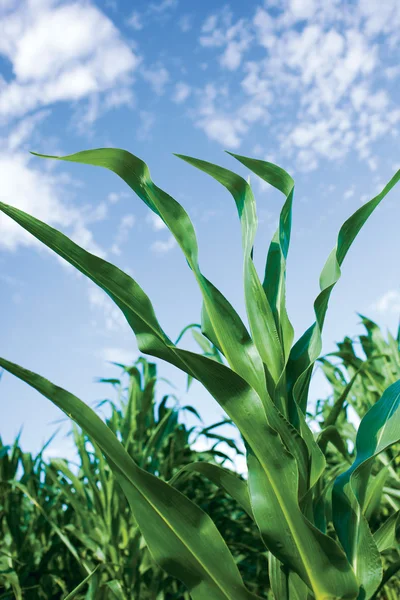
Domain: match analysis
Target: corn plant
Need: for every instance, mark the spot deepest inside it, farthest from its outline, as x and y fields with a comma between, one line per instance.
x=358, y=383
x=262, y=386
x=55, y=516
x=37, y=558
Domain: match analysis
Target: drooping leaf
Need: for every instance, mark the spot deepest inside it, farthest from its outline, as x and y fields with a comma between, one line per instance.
x=231, y=333
x=181, y=537
x=223, y=478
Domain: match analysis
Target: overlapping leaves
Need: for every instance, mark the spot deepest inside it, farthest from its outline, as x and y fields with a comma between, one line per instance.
x=264, y=389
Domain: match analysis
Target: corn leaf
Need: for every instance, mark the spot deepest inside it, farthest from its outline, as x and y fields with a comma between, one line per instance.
x=378, y=430
x=385, y=536
x=231, y=333
x=261, y=319
x=314, y=556
x=307, y=349
x=223, y=478
x=181, y=537
x=275, y=268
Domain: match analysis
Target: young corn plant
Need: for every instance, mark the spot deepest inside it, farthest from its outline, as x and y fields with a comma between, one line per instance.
x=263, y=387
x=358, y=383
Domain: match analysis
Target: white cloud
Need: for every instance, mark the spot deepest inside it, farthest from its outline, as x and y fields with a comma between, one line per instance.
x=218, y=31
x=28, y=183
x=164, y=5
x=161, y=247
x=181, y=93
x=119, y=355
x=111, y=316
x=216, y=122
x=157, y=76
x=146, y=124
x=114, y=197
x=135, y=21
x=126, y=223
x=155, y=221
x=185, y=23
x=223, y=129
x=32, y=191
x=317, y=85
x=24, y=130
x=60, y=52
x=392, y=72
x=388, y=303
x=349, y=193
x=302, y=9
x=381, y=18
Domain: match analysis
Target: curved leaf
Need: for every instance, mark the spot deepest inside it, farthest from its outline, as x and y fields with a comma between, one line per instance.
x=181, y=537
x=275, y=268
x=231, y=333
x=379, y=429
x=385, y=536
x=223, y=478
x=262, y=324
x=307, y=349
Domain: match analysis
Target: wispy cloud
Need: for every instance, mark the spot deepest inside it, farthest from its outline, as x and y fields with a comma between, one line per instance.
x=146, y=124
x=215, y=121
x=155, y=221
x=114, y=197
x=123, y=356
x=219, y=31
x=181, y=93
x=185, y=23
x=135, y=21
x=126, y=223
x=162, y=247
x=110, y=316
x=316, y=81
x=388, y=303
x=164, y=5
x=157, y=76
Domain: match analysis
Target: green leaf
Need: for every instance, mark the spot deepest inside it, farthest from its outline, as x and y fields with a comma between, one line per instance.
x=388, y=574
x=275, y=268
x=231, y=333
x=223, y=478
x=262, y=324
x=81, y=585
x=379, y=429
x=385, y=536
x=285, y=584
x=314, y=556
x=373, y=494
x=331, y=434
x=307, y=349
x=181, y=537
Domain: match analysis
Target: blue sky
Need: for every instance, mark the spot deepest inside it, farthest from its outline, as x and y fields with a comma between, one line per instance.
x=311, y=85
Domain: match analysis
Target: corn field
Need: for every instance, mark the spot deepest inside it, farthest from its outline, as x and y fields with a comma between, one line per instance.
x=324, y=514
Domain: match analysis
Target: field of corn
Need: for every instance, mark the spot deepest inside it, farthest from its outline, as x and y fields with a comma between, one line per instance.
x=145, y=516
